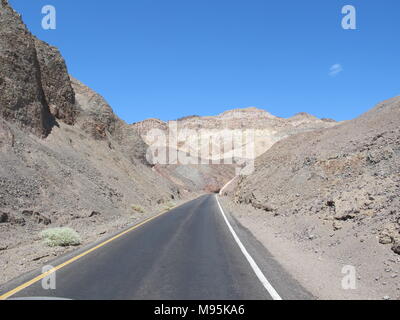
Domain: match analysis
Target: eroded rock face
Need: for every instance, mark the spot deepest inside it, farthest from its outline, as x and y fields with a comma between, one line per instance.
x=267, y=129
x=36, y=217
x=22, y=99
x=91, y=159
x=34, y=82
x=96, y=116
x=56, y=83
x=229, y=141
x=6, y=217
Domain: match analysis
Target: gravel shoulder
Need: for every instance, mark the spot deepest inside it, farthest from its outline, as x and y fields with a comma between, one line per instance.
x=315, y=255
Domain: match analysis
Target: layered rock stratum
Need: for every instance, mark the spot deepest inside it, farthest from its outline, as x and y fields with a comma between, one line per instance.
x=266, y=128
x=221, y=145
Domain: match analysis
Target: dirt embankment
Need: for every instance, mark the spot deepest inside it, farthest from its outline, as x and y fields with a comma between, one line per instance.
x=332, y=195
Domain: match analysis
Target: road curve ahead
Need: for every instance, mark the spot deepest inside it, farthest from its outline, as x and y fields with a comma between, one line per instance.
x=189, y=253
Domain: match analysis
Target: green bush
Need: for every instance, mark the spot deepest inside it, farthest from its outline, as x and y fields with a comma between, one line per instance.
x=60, y=237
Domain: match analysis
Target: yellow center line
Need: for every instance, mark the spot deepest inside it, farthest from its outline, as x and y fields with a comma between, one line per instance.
x=43, y=275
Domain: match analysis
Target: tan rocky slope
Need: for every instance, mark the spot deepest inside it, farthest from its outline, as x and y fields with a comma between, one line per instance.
x=348, y=173
x=220, y=143
x=65, y=158
x=268, y=129
x=329, y=198
x=76, y=135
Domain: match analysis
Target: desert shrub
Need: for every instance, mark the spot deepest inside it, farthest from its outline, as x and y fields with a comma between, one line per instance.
x=60, y=237
x=137, y=208
x=169, y=206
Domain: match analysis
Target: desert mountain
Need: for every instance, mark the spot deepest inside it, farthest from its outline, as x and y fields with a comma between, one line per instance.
x=349, y=173
x=327, y=200
x=65, y=158
x=268, y=130
x=221, y=143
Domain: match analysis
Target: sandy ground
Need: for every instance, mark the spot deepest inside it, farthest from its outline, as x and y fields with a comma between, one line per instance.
x=315, y=254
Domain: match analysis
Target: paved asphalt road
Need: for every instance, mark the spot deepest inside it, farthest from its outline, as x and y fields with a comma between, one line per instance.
x=187, y=253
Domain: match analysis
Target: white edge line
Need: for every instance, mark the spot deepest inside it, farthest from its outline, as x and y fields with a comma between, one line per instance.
x=253, y=264
x=226, y=185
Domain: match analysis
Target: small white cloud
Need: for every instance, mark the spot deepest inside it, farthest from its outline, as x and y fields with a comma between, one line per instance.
x=335, y=70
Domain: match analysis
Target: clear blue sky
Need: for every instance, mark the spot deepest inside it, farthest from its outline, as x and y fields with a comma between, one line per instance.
x=168, y=59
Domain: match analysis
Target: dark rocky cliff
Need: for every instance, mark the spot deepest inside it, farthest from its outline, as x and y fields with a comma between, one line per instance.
x=34, y=82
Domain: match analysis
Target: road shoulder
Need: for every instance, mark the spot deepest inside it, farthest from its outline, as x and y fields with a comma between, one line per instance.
x=315, y=261
x=282, y=281
x=72, y=253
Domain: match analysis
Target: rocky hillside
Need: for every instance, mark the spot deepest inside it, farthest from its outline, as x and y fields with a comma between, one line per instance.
x=34, y=83
x=348, y=174
x=234, y=130
x=268, y=129
x=65, y=158
x=73, y=127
